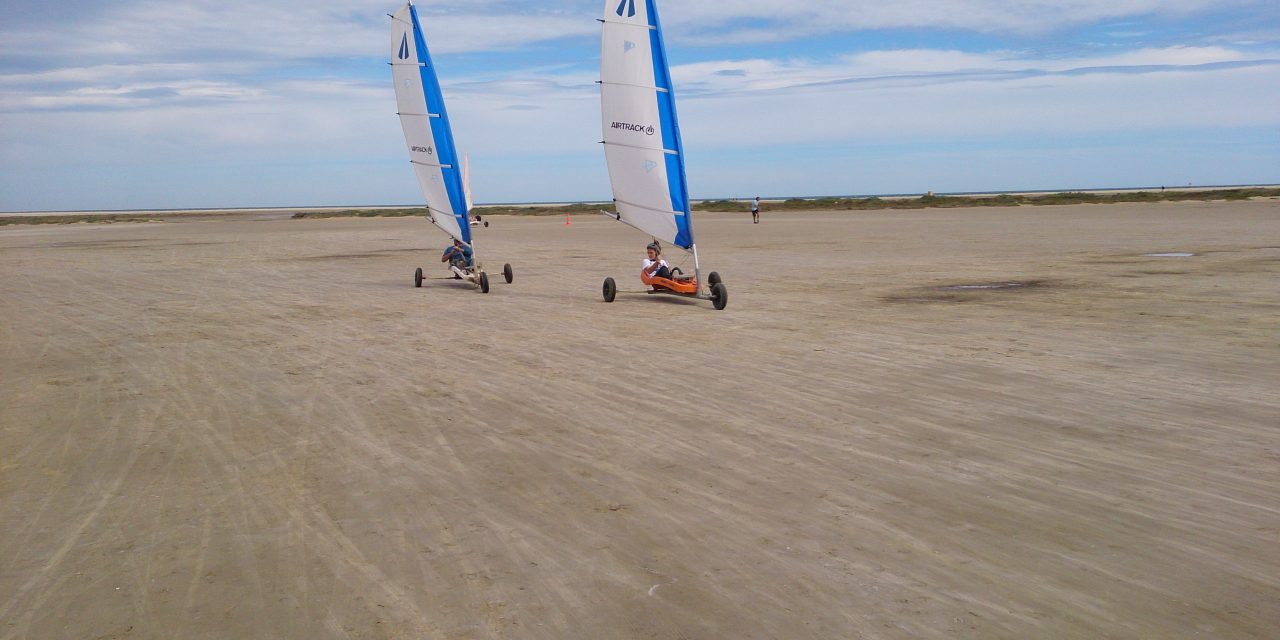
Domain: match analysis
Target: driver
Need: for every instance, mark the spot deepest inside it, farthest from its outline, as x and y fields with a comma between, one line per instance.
x=459, y=255
x=654, y=265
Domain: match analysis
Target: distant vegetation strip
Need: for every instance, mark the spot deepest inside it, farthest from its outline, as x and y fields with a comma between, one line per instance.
x=793, y=204
x=483, y=210
x=79, y=217
x=1002, y=200
x=361, y=213
x=848, y=204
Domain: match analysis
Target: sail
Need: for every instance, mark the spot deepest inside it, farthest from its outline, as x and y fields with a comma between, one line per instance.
x=466, y=180
x=426, y=125
x=641, y=135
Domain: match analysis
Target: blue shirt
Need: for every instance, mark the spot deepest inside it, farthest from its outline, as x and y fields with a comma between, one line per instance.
x=466, y=253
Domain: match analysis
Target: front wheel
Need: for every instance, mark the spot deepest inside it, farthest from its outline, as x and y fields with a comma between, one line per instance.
x=508, y=273
x=417, y=277
x=719, y=296
x=610, y=289
x=486, y=224
x=484, y=282
x=713, y=278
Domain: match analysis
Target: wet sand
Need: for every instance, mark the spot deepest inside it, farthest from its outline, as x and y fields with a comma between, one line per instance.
x=256, y=428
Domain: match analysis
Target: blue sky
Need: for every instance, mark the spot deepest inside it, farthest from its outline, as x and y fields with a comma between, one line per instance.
x=141, y=104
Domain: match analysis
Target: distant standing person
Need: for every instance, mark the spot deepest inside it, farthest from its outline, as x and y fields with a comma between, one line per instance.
x=755, y=211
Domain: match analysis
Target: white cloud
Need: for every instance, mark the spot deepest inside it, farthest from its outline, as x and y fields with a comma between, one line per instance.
x=107, y=73
x=200, y=87
x=276, y=32
x=917, y=67
x=770, y=20
x=1094, y=104
x=129, y=31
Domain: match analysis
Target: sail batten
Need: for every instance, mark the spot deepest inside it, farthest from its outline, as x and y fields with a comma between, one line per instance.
x=637, y=146
x=638, y=86
x=641, y=133
x=641, y=206
x=430, y=142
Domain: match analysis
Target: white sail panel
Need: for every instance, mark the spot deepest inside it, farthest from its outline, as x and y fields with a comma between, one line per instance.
x=426, y=132
x=629, y=41
x=641, y=137
x=466, y=180
x=641, y=196
x=631, y=116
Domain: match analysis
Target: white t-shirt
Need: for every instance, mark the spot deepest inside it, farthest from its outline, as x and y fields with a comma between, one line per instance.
x=650, y=266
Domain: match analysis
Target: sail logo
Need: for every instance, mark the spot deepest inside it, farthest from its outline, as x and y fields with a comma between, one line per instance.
x=404, y=47
x=629, y=5
x=627, y=45
x=627, y=126
x=649, y=166
x=426, y=150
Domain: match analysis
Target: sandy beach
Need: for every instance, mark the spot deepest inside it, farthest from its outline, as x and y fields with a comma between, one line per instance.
x=965, y=423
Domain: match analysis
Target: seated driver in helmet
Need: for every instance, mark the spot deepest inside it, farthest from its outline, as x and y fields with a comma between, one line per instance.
x=656, y=267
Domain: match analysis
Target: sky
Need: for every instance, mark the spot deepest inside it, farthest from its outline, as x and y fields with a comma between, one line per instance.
x=141, y=104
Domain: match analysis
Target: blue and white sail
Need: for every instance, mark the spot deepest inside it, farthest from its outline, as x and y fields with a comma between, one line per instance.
x=426, y=125
x=641, y=133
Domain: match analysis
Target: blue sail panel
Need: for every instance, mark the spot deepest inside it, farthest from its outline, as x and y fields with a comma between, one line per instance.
x=676, y=181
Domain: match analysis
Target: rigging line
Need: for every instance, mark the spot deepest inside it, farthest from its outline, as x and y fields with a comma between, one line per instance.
x=635, y=86
x=438, y=226
x=648, y=208
x=670, y=152
x=441, y=212
x=627, y=24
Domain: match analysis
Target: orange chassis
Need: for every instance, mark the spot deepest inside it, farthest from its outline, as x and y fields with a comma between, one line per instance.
x=683, y=286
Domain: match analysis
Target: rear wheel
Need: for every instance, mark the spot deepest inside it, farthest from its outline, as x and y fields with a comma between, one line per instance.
x=486, y=224
x=417, y=277
x=719, y=295
x=508, y=273
x=713, y=279
x=610, y=289
x=484, y=282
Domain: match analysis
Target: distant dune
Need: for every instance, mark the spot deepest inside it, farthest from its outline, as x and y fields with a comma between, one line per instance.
x=926, y=200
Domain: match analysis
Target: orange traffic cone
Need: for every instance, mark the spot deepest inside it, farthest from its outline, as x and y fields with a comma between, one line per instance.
x=566, y=220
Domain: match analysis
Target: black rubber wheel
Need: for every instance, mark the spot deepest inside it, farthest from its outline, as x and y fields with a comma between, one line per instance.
x=484, y=282
x=676, y=273
x=417, y=277
x=610, y=289
x=508, y=273
x=719, y=295
x=713, y=279
x=486, y=224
